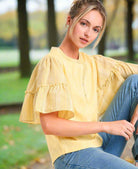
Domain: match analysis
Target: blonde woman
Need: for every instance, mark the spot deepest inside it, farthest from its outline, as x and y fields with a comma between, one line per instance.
x=87, y=105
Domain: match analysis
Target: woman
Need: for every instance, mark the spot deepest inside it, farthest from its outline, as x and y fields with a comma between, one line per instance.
x=70, y=94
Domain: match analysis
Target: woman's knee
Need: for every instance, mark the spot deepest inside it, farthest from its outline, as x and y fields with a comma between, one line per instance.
x=132, y=80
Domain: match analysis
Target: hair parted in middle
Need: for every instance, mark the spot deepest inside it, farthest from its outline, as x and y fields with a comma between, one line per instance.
x=80, y=8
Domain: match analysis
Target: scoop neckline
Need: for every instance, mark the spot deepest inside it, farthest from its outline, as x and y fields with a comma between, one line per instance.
x=69, y=58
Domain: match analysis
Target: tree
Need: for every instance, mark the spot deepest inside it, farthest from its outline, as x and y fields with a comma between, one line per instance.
x=102, y=44
x=129, y=31
x=52, y=29
x=25, y=65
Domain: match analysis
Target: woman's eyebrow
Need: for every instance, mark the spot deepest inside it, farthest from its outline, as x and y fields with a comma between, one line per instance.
x=98, y=27
x=90, y=23
x=86, y=21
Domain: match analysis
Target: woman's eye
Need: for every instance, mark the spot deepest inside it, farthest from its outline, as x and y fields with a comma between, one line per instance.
x=96, y=30
x=83, y=23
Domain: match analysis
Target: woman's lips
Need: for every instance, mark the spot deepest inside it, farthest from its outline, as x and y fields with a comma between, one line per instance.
x=83, y=40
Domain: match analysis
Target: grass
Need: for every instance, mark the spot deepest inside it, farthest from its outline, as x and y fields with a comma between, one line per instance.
x=19, y=143
x=12, y=87
x=10, y=57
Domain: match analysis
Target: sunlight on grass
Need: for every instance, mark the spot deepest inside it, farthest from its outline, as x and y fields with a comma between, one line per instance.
x=12, y=87
x=19, y=143
x=9, y=58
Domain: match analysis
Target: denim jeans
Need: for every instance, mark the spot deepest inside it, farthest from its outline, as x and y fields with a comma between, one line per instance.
x=107, y=156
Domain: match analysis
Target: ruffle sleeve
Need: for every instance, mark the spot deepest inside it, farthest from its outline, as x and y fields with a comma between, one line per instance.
x=126, y=69
x=47, y=91
x=111, y=74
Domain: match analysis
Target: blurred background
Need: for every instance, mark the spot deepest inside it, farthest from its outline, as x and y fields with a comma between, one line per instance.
x=28, y=29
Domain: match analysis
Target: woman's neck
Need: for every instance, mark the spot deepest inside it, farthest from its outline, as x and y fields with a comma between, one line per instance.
x=69, y=49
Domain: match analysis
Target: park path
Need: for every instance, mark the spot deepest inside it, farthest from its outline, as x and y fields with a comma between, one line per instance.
x=46, y=164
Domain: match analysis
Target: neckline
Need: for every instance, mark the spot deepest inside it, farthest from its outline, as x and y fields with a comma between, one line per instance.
x=69, y=58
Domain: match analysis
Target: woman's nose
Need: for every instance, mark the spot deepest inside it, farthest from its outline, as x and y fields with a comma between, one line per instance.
x=87, y=33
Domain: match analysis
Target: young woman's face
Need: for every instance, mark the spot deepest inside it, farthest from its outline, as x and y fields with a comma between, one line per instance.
x=87, y=29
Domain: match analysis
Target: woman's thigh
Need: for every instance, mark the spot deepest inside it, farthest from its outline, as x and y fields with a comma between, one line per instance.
x=91, y=158
x=121, y=108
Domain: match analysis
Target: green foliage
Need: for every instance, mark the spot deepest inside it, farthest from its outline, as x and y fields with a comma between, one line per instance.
x=12, y=87
x=37, y=24
x=8, y=25
x=19, y=143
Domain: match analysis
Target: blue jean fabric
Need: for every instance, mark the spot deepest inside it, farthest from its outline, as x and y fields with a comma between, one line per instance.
x=107, y=156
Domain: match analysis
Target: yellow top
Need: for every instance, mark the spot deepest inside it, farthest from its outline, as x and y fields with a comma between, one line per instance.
x=79, y=90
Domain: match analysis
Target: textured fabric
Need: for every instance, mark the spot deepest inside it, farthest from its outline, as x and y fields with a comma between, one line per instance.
x=91, y=158
x=106, y=157
x=121, y=108
x=74, y=88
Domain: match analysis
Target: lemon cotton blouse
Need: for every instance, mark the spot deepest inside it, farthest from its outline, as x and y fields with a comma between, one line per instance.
x=79, y=90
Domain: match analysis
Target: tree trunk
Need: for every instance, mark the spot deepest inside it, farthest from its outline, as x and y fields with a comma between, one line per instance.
x=102, y=44
x=25, y=65
x=52, y=29
x=129, y=32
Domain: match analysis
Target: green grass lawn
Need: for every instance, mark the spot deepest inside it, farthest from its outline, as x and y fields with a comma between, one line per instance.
x=11, y=57
x=12, y=87
x=19, y=143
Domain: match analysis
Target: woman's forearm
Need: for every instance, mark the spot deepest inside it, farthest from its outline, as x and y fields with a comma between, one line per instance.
x=52, y=125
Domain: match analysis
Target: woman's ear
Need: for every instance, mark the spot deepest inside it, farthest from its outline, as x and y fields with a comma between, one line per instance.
x=68, y=20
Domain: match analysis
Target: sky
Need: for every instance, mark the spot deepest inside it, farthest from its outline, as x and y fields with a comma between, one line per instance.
x=32, y=5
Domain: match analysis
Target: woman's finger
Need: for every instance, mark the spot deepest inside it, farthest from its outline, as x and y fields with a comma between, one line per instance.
x=134, y=120
x=137, y=131
x=135, y=116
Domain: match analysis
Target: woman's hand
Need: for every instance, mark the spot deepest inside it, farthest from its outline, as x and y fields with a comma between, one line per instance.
x=135, y=117
x=121, y=128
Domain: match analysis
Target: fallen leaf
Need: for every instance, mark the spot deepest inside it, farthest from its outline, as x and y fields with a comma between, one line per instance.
x=11, y=142
x=132, y=161
x=23, y=167
x=5, y=147
x=6, y=128
x=40, y=160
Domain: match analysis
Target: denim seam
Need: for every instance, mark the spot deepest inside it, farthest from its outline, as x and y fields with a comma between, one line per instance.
x=69, y=164
x=81, y=166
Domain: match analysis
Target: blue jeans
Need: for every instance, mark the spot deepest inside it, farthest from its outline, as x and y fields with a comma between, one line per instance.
x=107, y=156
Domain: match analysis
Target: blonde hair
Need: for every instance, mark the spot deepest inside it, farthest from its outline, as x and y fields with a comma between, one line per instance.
x=80, y=8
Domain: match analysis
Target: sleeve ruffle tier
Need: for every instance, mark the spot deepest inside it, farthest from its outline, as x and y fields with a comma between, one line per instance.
x=47, y=92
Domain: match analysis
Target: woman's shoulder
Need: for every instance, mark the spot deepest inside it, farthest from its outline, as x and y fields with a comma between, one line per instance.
x=49, y=63
x=104, y=59
x=98, y=58
x=51, y=57
x=49, y=70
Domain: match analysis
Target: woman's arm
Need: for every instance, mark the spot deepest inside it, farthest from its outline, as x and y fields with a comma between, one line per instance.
x=127, y=69
x=134, y=118
x=53, y=125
